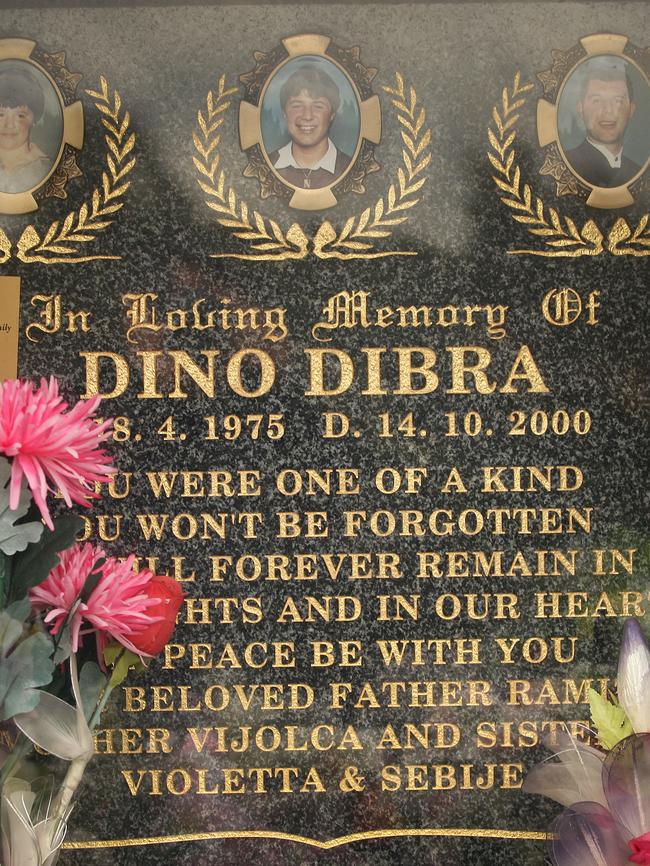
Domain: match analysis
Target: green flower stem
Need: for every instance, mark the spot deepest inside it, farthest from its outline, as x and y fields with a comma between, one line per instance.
x=94, y=719
x=108, y=689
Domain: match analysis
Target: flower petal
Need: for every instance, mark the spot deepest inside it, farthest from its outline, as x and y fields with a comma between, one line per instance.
x=54, y=726
x=51, y=444
x=641, y=848
x=19, y=845
x=626, y=780
x=588, y=835
x=576, y=776
x=50, y=835
x=634, y=676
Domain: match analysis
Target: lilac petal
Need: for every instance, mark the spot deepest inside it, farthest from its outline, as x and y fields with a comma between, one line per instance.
x=588, y=835
x=626, y=781
x=634, y=676
x=577, y=775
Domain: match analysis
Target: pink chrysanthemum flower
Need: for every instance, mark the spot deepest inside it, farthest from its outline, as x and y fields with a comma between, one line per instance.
x=46, y=443
x=116, y=608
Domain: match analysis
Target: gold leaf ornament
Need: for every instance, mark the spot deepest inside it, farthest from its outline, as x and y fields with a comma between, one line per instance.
x=622, y=240
x=5, y=247
x=357, y=237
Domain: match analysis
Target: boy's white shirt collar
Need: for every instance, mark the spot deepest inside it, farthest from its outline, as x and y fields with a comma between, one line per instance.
x=328, y=161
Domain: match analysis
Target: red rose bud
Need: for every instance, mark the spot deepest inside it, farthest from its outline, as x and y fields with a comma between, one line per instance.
x=170, y=596
x=641, y=848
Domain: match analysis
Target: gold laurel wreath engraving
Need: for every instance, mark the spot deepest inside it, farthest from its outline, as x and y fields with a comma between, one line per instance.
x=234, y=214
x=379, y=221
x=269, y=241
x=559, y=232
x=60, y=244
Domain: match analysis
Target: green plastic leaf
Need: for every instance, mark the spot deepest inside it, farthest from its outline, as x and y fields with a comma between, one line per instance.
x=121, y=660
x=12, y=622
x=15, y=537
x=92, y=683
x=611, y=721
x=33, y=565
x=25, y=662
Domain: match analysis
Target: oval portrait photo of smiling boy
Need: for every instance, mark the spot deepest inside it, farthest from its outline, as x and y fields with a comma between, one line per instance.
x=310, y=122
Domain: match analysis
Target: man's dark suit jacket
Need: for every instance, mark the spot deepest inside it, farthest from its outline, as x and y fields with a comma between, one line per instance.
x=591, y=164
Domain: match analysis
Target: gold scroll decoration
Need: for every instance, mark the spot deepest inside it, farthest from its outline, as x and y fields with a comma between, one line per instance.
x=355, y=239
x=338, y=842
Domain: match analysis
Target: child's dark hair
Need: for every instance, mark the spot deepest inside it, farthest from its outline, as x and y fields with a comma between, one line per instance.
x=21, y=88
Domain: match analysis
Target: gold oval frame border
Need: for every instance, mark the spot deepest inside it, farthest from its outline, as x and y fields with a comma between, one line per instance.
x=62, y=241
x=250, y=124
x=357, y=237
x=72, y=134
x=560, y=234
x=549, y=135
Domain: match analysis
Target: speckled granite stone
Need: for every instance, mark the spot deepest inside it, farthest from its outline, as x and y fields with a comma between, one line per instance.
x=459, y=56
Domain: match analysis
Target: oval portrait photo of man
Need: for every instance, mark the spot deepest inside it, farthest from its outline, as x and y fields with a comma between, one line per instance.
x=31, y=126
x=604, y=121
x=310, y=122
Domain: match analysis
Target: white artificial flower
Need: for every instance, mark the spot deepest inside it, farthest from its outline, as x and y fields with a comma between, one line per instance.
x=634, y=677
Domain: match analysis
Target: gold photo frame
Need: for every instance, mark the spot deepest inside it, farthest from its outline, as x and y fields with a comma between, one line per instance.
x=348, y=176
x=25, y=184
x=570, y=168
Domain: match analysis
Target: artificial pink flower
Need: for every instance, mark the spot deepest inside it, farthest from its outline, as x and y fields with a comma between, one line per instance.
x=117, y=607
x=641, y=849
x=49, y=444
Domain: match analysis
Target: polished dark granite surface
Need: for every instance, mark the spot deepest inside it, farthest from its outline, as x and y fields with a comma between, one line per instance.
x=458, y=58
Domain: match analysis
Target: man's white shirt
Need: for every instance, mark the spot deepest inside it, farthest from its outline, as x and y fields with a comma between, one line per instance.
x=613, y=160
